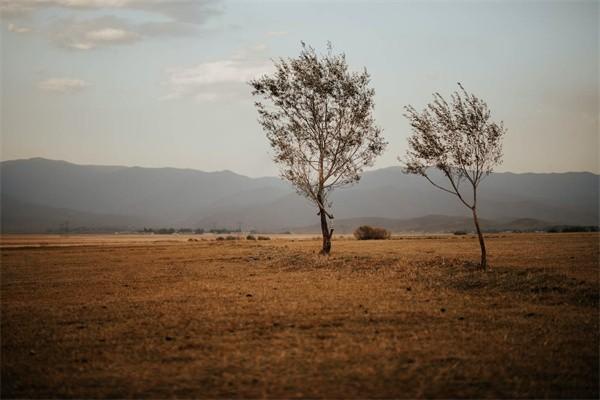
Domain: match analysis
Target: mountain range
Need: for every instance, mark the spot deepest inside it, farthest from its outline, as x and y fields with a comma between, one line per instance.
x=38, y=195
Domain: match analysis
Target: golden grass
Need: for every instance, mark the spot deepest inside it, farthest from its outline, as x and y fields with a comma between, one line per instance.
x=410, y=317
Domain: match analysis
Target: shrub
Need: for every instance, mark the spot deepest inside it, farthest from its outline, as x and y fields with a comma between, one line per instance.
x=229, y=237
x=578, y=228
x=220, y=238
x=250, y=237
x=367, y=232
x=264, y=238
x=459, y=233
x=572, y=228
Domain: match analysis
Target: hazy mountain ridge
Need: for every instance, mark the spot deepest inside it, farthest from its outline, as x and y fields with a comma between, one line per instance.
x=21, y=217
x=190, y=198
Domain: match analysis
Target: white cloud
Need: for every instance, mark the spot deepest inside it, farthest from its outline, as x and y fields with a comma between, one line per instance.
x=82, y=46
x=18, y=29
x=225, y=71
x=110, y=35
x=62, y=85
x=210, y=81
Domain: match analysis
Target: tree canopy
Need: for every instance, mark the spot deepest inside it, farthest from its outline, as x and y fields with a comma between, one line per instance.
x=318, y=118
x=460, y=139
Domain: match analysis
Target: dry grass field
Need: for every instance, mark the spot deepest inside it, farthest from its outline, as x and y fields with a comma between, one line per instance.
x=92, y=316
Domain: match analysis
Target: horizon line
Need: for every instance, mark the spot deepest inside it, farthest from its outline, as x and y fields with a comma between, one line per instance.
x=261, y=176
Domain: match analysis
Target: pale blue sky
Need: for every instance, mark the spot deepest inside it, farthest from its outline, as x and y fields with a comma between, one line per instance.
x=153, y=83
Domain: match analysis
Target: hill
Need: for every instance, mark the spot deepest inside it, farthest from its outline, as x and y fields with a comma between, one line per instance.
x=48, y=191
x=20, y=217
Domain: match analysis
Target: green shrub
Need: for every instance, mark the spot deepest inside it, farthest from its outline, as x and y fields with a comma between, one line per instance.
x=264, y=238
x=459, y=233
x=367, y=232
x=220, y=238
x=250, y=237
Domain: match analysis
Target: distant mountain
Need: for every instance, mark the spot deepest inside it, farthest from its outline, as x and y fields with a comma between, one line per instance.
x=20, y=217
x=158, y=196
x=38, y=193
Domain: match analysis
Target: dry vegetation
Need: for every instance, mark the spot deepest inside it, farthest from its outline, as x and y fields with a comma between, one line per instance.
x=412, y=317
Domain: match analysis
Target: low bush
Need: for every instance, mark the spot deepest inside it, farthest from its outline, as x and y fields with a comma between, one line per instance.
x=459, y=233
x=229, y=237
x=367, y=232
x=220, y=238
x=250, y=237
x=264, y=238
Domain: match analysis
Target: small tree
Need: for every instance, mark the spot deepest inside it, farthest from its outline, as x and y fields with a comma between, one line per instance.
x=460, y=140
x=318, y=117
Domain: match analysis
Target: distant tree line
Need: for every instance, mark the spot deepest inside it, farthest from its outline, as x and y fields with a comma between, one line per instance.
x=547, y=229
x=189, y=231
x=572, y=228
x=170, y=231
x=83, y=230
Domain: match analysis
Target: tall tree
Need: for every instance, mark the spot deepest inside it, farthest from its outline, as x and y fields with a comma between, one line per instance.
x=318, y=118
x=459, y=139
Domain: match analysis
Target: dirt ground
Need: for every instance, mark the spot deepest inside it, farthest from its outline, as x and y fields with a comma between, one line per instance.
x=94, y=316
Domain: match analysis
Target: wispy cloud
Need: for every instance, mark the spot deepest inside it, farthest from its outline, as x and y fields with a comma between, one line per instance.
x=221, y=79
x=191, y=11
x=109, y=35
x=82, y=29
x=18, y=29
x=62, y=85
x=91, y=33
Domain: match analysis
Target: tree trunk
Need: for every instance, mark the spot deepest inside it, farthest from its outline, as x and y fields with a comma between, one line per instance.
x=481, y=241
x=327, y=234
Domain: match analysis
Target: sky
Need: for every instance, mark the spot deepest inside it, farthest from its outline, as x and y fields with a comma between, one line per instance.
x=161, y=83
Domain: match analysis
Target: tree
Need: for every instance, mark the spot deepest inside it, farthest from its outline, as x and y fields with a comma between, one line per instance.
x=460, y=140
x=318, y=118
